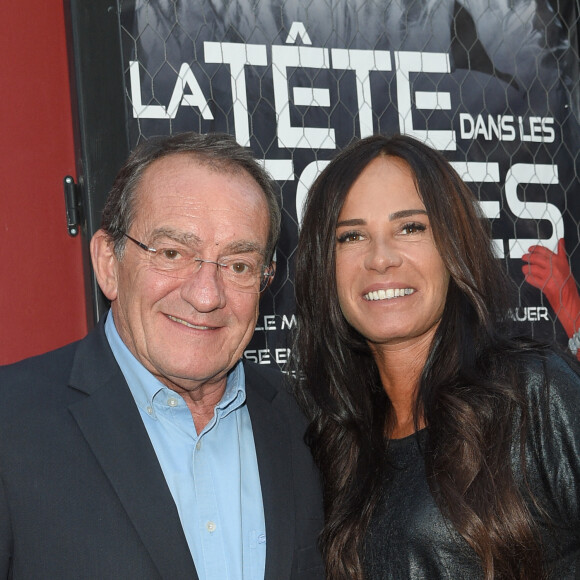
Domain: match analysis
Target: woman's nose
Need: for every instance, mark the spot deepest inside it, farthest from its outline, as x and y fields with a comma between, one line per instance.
x=382, y=255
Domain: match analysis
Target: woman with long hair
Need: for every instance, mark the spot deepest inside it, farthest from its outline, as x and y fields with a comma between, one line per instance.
x=448, y=448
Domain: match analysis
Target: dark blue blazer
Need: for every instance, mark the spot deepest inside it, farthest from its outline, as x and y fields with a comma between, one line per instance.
x=82, y=495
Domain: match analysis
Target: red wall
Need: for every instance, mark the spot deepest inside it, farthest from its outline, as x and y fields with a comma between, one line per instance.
x=42, y=300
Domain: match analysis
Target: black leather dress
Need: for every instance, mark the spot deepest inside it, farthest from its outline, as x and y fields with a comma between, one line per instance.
x=408, y=538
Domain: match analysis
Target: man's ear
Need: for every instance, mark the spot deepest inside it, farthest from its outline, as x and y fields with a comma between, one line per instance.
x=105, y=263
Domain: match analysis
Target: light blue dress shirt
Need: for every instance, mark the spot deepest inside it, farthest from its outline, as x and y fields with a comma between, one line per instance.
x=213, y=477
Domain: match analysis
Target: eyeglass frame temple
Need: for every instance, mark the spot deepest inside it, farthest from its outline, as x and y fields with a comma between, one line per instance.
x=140, y=244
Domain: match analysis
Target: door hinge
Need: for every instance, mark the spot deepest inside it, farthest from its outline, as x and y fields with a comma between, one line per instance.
x=72, y=205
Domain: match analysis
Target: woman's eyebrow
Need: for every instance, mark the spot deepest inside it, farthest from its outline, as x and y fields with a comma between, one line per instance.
x=406, y=213
x=351, y=222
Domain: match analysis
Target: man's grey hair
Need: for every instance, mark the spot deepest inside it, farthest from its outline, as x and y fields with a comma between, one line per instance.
x=219, y=151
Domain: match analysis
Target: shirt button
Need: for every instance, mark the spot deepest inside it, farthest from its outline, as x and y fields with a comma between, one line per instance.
x=149, y=410
x=172, y=402
x=211, y=527
x=262, y=539
x=198, y=445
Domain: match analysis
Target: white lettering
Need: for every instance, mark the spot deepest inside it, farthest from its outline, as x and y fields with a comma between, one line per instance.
x=481, y=128
x=550, y=135
x=269, y=322
x=279, y=169
x=141, y=111
x=362, y=62
x=288, y=322
x=251, y=355
x=426, y=62
x=263, y=356
x=529, y=314
x=237, y=56
x=478, y=172
x=298, y=30
x=521, y=173
x=185, y=79
x=466, y=126
x=508, y=132
x=540, y=130
x=501, y=127
x=284, y=57
x=282, y=355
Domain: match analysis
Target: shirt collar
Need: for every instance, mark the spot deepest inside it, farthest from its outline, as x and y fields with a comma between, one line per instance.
x=144, y=385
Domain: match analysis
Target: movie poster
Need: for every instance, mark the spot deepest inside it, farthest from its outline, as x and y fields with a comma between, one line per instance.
x=492, y=84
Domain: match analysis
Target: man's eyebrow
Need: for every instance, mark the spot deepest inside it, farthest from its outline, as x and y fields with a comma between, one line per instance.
x=189, y=239
x=244, y=247
x=397, y=215
x=185, y=238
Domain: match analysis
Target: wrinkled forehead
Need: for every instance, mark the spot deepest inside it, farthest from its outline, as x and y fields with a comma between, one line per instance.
x=179, y=193
x=195, y=178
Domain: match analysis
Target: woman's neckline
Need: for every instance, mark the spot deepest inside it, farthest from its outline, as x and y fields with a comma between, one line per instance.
x=415, y=434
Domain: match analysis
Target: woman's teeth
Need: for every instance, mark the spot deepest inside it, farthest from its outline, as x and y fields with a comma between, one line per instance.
x=388, y=294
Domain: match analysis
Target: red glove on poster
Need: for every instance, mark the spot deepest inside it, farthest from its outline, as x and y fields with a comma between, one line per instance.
x=551, y=273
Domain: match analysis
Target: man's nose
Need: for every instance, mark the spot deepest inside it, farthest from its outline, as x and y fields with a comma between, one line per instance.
x=204, y=288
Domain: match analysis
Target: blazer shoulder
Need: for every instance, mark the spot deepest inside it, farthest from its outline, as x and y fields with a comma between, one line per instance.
x=274, y=387
x=50, y=367
x=40, y=383
x=37, y=390
x=271, y=375
x=268, y=381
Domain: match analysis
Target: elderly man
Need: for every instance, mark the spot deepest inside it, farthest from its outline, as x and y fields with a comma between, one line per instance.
x=148, y=449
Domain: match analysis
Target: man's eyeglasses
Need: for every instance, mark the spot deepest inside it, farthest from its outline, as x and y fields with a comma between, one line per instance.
x=241, y=272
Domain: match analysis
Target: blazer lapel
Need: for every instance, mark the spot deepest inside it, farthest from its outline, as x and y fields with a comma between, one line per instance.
x=274, y=454
x=110, y=422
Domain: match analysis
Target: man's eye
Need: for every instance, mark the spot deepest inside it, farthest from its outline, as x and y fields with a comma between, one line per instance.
x=170, y=254
x=240, y=268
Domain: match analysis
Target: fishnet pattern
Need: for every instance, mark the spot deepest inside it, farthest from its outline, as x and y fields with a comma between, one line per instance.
x=491, y=83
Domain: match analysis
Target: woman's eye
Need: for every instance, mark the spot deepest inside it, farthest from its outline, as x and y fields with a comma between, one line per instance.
x=413, y=228
x=348, y=237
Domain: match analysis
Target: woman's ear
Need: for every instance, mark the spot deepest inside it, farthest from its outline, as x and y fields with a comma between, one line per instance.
x=105, y=263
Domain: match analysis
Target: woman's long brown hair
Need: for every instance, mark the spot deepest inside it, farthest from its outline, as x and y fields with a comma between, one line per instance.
x=470, y=391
